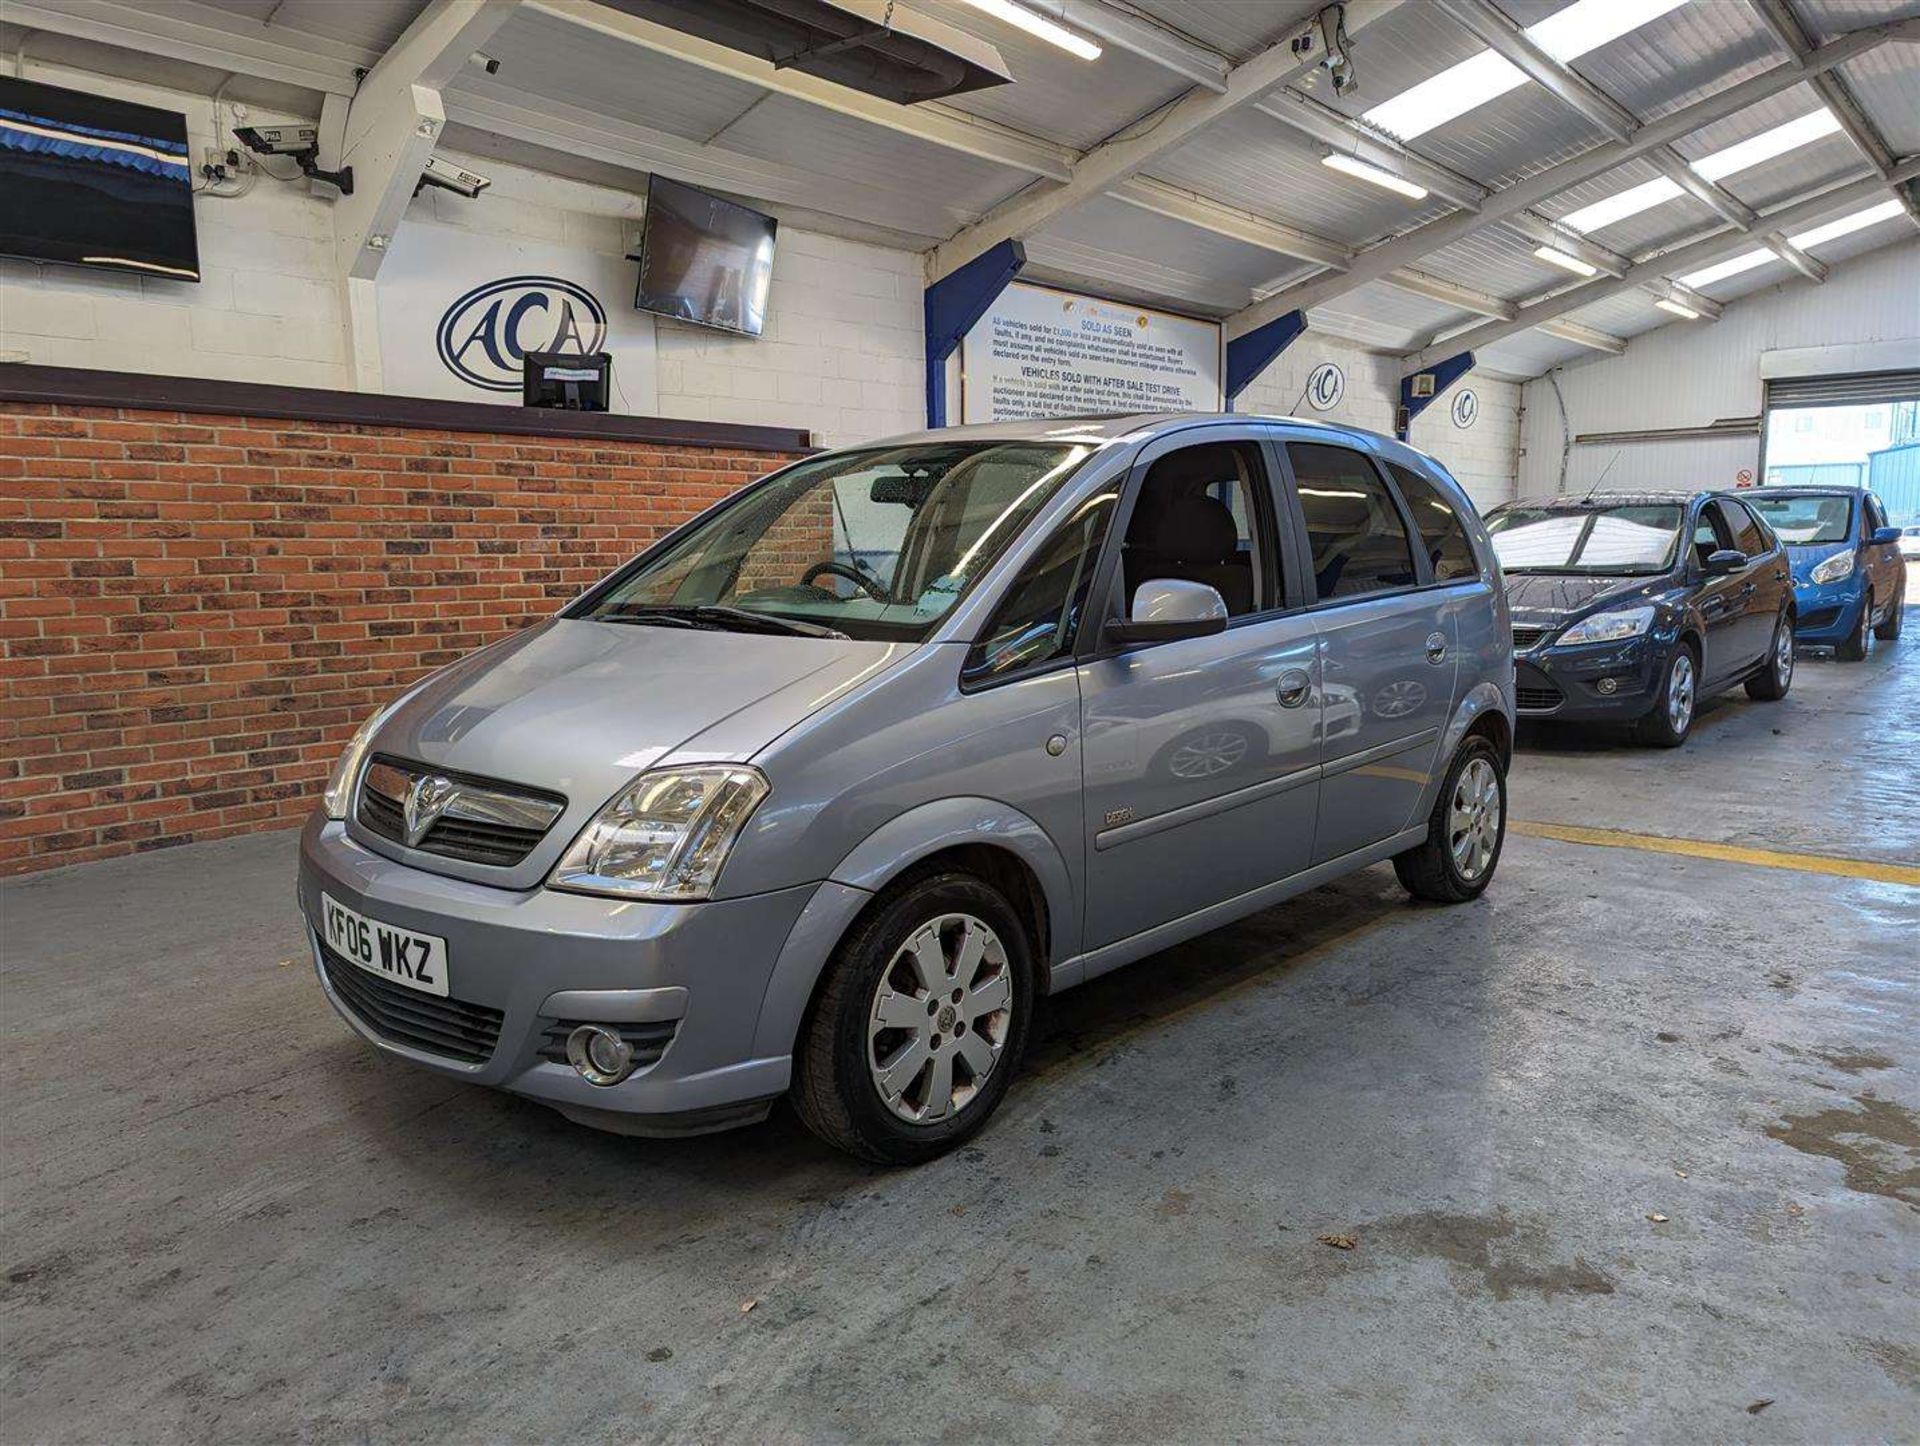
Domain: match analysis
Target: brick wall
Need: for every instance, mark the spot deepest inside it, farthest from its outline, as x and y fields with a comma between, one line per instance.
x=196, y=611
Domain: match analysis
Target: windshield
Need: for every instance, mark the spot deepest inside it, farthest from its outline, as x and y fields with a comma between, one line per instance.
x=1640, y=538
x=1804, y=521
x=875, y=544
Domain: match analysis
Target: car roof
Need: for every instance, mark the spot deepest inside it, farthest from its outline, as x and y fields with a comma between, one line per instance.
x=1813, y=489
x=1105, y=427
x=1582, y=501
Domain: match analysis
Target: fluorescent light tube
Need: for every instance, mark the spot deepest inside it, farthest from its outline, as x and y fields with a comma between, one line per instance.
x=1677, y=309
x=1847, y=225
x=1565, y=261
x=1365, y=172
x=1720, y=271
x=1050, y=31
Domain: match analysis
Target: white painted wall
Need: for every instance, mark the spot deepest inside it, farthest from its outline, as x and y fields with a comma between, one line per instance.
x=1693, y=374
x=841, y=354
x=1483, y=457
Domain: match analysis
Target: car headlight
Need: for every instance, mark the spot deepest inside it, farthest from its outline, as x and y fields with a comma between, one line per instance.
x=1610, y=627
x=339, y=795
x=1833, y=569
x=665, y=835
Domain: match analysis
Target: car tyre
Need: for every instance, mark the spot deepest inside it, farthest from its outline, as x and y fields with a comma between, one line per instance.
x=867, y=1014
x=1770, y=684
x=1889, y=629
x=1853, y=647
x=1465, y=831
x=1671, y=720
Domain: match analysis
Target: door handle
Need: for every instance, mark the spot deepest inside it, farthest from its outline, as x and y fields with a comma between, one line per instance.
x=1436, y=647
x=1293, y=687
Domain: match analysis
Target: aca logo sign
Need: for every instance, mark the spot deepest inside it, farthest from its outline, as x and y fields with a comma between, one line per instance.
x=484, y=335
x=1325, y=387
x=1466, y=409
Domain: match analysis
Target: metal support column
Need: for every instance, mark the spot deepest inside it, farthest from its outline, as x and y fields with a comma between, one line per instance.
x=954, y=303
x=1249, y=355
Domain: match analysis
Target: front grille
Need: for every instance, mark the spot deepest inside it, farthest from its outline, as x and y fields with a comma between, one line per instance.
x=1534, y=691
x=1524, y=638
x=450, y=1027
x=483, y=822
x=649, y=1041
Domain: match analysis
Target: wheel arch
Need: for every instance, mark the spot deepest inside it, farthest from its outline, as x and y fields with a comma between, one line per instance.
x=978, y=835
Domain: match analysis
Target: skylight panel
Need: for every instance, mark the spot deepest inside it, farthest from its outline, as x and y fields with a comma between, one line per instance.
x=1847, y=225
x=1630, y=202
x=1565, y=35
x=1720, y=271
x=1720, y=164
x=1768, y=144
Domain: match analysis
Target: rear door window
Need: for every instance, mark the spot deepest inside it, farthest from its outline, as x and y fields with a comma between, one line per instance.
x=1357, y=541
x=1442, y=534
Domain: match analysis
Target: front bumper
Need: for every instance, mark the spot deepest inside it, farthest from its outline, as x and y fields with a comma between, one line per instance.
x=543, y=956
x=1566, y=683
x=1827, y=613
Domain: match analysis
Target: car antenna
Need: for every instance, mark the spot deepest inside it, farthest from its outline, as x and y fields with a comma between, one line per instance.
x=1603, y=474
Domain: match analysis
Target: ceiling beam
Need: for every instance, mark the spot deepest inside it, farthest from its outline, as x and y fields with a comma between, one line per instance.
x=936, y=124
x=202, y=35
x=1587, y=336
x=1407, y=249
x=1336, y=132
x=1779, y=18
x=1703, y=252
x=1490, y=25
x=1785, y=250
x=1138, y=35
x=571, y=130
x=1223, y=220
x=1110, y=163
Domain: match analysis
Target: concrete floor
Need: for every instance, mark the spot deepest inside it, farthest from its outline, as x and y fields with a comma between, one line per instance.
x=224, y=1217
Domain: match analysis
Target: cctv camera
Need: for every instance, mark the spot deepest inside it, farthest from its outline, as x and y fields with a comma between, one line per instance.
x=446, y=176
x=279, y=140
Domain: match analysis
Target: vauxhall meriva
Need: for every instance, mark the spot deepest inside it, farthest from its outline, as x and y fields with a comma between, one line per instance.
x=819, y=794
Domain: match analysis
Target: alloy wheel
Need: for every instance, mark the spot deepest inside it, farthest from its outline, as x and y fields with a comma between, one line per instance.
x=1473, y=819
x=940, y=1018
x=1783, y=653
x=1680, y=688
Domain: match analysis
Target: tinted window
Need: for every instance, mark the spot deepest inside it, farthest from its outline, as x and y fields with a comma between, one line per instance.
x=1359, y=544
x=1197, y=519
x=1039, y=617
x=1876, y=514
x=1747, y=535
x=1442, y=534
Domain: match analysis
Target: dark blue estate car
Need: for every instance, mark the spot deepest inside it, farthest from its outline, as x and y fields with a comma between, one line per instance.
x=1633, y=606
x=1848, y=575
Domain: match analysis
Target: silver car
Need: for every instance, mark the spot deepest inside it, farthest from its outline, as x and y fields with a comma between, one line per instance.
x=818, y=795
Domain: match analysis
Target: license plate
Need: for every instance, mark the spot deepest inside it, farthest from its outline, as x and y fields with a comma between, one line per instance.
x=417, y=961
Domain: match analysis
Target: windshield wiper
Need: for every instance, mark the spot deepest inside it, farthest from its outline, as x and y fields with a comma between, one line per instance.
x=716, y=618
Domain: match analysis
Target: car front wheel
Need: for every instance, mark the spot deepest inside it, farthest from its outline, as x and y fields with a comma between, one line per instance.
x=1671, y=720
x=1889, y=629
x=1853, y=647
x=919, y=1022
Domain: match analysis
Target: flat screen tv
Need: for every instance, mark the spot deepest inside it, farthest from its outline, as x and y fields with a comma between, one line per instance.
x=95, y=182
x=704, y=259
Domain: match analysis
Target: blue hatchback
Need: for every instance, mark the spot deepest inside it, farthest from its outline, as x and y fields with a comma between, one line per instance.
x=1848, y=575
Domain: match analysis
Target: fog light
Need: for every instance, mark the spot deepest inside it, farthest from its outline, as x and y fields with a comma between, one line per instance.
x=599, y=1055
x=1608, y=686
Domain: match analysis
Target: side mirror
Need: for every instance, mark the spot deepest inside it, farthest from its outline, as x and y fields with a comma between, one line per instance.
x=1726, y=560
x=1881, y=536
x=1166, y=609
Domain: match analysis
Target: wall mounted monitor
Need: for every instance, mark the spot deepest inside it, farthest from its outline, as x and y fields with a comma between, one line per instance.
x=705, y=259
x=95, y=182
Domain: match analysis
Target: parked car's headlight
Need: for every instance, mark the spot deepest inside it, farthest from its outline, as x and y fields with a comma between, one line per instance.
x=339, y=795
x=665, y=835
x=1834, y=568
x=1610, y=627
